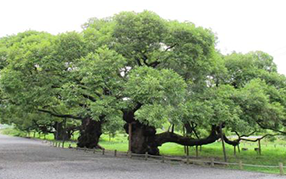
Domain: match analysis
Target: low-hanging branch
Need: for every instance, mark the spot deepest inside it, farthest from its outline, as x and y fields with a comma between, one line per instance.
x=187, y=141
x=260, y=138
x=242, y=137
x=231, y=142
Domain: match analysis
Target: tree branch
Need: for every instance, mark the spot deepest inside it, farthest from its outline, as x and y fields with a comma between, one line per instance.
x=173, y=137
x=266, y=135
x=60, y=115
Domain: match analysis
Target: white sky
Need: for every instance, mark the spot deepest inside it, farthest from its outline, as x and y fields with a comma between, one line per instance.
x=241, y=25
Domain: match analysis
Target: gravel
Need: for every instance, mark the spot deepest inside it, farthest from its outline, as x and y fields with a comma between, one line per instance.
x=22, y=158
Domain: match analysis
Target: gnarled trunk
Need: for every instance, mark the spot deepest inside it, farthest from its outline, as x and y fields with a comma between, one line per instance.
x=90, y=133
x=143, y=138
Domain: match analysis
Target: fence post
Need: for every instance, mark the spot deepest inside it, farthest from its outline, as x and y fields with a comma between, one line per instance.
x=222, y=142
x=240, y=165
x=70, y=146
x=234, y=150
x=197, y=152
x=188, y=159
x=129, y=137
x=212, y=162
x=163, y=159
x=103, y=151
x=115, y=153
x=259, y=147
x=281, y=168
x=146, y=155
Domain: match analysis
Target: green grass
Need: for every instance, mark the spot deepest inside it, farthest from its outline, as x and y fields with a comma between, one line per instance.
x=272, y=152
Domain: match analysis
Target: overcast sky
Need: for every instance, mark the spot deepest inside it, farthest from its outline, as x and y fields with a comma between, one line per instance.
x=241, y=25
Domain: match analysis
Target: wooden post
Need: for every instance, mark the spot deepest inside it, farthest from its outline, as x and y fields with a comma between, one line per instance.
x=259, y=147
x=129, y=138
x=103, y=151
x=115, y=153
x=212, y=162
x=146, y=155
x=240, y=165
x=234, y=150
x=65, y=132
x=197, y=152
x=57, y=132
x=281, y=168
x=188, y=159
x=222, y=142
x=70, y=146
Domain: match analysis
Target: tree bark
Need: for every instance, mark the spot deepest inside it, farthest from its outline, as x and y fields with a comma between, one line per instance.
x=173, y=137
x=142, y=138
x=90, y=133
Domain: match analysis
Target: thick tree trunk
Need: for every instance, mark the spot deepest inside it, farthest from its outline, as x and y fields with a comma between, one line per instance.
x=60, y=133
x=143, y=136
x=90, y=133
x=142, y=139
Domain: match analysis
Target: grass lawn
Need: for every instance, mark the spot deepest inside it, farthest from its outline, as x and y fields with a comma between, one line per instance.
x=272, y=152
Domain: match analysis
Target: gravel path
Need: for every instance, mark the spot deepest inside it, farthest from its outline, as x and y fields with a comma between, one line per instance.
x=31, y=159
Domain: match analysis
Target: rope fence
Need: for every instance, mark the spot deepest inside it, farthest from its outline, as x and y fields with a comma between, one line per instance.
x=163, y=158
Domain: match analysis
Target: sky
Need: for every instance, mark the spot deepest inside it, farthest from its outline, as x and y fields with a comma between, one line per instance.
x=240, y=25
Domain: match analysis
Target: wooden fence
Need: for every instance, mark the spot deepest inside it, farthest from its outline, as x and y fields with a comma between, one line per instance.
x=163, y=158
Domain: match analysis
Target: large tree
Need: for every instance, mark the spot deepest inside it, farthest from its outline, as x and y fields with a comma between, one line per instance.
x=144, y=71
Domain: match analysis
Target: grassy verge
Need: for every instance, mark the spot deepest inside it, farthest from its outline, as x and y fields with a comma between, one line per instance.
x=272, y=152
